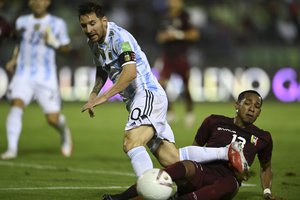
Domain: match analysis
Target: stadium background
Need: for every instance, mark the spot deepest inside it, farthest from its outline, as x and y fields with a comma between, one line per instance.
x=251, y=43
x=241, y=40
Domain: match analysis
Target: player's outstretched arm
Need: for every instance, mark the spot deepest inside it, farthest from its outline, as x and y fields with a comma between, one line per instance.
x=100, y=79
x=10, y=65
x=266, y=176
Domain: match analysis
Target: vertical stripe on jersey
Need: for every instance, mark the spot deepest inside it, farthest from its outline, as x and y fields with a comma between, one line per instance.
x=148, y=103
x=34, y=56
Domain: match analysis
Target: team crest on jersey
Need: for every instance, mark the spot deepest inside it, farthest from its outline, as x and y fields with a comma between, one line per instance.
x=126, y=46
x=36, y=27
x=127, y=58
x=254, y=140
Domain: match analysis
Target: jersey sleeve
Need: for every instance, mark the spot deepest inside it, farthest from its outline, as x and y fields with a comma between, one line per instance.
x=63, y=35
x=265, y=154
x=204, y=133
x=124, y=49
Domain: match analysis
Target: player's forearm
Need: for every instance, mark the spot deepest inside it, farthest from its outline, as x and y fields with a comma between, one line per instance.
x=15, y=53
x=64, y=48
x=266, y=176
x=96, y=89
x=100, y=79
x=10, y=65
x=126, y=77
x=191, y=35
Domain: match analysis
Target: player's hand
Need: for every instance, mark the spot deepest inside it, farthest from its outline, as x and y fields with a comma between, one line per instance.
x=88, y=107
x=50, y=39
x=268, y=195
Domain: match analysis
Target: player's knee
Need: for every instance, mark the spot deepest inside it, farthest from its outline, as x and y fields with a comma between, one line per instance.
x=167, y=154
x=130, y=143
x=52, y=120
x=18, y=103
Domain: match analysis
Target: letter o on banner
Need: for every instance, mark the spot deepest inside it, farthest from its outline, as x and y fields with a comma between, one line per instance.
x=285, y=86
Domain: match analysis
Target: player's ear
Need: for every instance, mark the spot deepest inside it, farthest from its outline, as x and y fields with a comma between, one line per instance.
x=104, y=19
x=236, y=106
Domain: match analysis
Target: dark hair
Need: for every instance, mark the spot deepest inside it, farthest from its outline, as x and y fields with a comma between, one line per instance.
x=242, y=95
x=90, y=7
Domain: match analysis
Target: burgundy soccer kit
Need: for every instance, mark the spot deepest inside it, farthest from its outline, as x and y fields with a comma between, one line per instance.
x=217, y=180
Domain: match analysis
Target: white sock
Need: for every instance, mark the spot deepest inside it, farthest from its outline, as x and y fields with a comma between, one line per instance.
x=140, y=160
x=61, y=125
x=14, y=127
x=203, y=154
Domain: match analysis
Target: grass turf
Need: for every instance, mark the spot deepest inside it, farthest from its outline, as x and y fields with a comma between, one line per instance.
x=99, y=166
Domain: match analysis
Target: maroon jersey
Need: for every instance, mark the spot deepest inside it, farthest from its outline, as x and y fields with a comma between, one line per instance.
x=175, y=48
x=174, y=54
x=219, y=131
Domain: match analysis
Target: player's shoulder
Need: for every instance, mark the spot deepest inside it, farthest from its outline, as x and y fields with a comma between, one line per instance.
x=219, y=117
x=261, y=132
x=24, y=17
x=214, y=118
x=56, y=18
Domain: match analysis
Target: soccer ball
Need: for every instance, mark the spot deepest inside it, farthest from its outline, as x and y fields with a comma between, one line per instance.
x=155, y=184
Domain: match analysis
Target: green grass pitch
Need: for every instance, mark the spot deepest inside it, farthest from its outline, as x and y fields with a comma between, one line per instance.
x=99, y=166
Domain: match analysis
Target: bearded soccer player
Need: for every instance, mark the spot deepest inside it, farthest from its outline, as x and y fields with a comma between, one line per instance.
x=118, y=56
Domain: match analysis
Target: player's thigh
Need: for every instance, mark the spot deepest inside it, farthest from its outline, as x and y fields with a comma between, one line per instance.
x=208, y=180
x=138, y=136
x=20, y=91
x=48, y=99
x=167, y=153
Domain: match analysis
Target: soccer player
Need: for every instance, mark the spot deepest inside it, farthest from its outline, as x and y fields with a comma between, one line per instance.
x=118, y=56
x=41, y=35
x=217, y=180
x=175, y=34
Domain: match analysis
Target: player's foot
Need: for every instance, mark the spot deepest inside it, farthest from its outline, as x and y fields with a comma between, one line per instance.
x=171, y=117
x=189, y=119
x=8, y=155
x=236, y=157
x=66, y=143
x=111, y=197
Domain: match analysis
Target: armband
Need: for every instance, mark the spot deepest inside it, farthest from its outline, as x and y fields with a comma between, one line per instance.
x=126, y=56
x=267, y=191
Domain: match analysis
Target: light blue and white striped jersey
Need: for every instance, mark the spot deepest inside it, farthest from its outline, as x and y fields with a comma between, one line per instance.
x=117, y=41
x=36, y=59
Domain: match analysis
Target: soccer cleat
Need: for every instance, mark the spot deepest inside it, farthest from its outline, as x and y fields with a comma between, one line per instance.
x=66, y=143
x=9, y=155
x=236, y=157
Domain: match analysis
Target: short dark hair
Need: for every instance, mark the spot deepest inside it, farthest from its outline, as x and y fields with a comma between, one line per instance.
x=242, y=95
x=90, y=7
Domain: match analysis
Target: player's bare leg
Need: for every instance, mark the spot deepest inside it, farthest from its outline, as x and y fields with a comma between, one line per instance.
x=134, y=144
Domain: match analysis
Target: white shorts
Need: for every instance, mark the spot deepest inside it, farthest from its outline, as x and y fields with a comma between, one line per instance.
x=149, y=108
x=45, y=93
